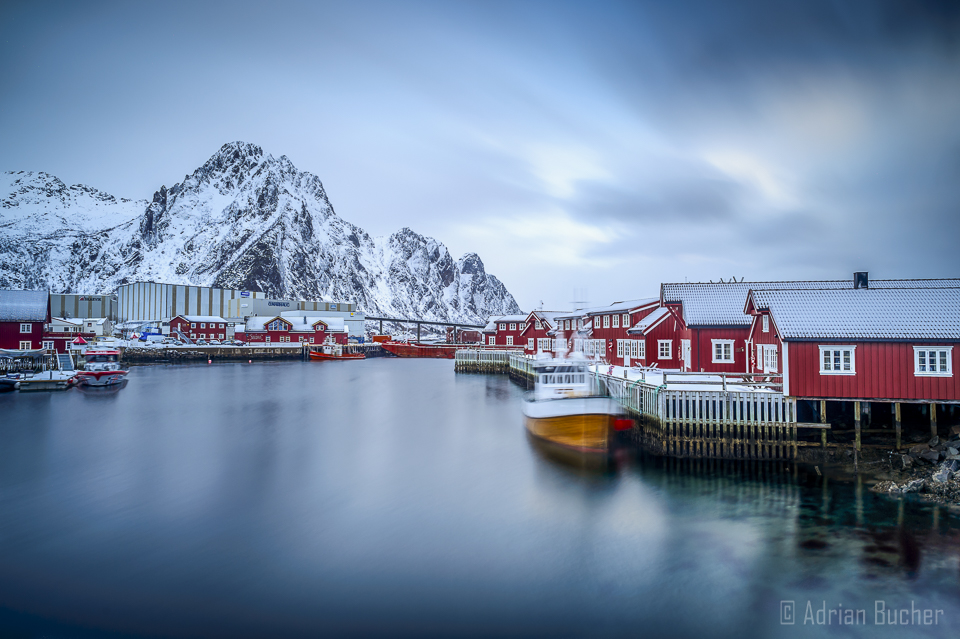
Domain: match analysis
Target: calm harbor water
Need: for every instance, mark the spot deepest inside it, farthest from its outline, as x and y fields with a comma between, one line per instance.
x=394, y=497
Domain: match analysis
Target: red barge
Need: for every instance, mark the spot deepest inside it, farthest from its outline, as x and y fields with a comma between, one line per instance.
x=441, y=351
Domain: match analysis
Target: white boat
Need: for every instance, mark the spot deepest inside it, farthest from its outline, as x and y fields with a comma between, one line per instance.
x=563, y=409
x=102, y=368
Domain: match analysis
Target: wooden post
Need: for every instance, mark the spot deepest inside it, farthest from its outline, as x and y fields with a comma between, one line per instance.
x=856, y=421
x=418, y=332
x=823, y=420
x=933, y=420
x=896, y=421
x=381, y=327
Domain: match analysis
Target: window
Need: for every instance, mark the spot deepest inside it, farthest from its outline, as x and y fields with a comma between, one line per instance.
x=766, y=323
x=277, y=325
x=530, y=343
x=221, y=335
x=933, y=361
x=268, y=338
x=503, y=327
x=221, y=326
x=491, y=340
x=626, y=320
x=767, y=357
x=509, y=340
x=25, y=345
x=538, y=325
x=193, y=325
x=619, y=342
x=664, y=349
x=606, y=321
x=26, y=328
x=722, y=351
x=203, y=325
x=49, y=346
x=311, y=340
x=616, y=321
x=838, y=360
x=513, y=326
x=561, y=345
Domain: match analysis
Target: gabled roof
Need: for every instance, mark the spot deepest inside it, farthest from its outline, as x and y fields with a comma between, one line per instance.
x=258, y=322
x=721, y=303
x=621, y=307
x=491, y=326
x=893, y=313
x=203, y=318
x=649, y=321
x=24, y=306
x=550, y=317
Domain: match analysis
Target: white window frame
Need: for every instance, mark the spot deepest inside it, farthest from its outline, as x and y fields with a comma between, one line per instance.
x=509, y=340
x=537, y=324
x=49, y=345
x=842, y=349
x=26, y=345
x=513, y=326
x=917, y=350
x=765, y=320
x=503, y=327
x=530, y=343
x=616, y=321
x=606, y=321
x=769, y=360
x=193, y=324
x=491, y=341
x=626, y=320
x=620, y=346
x=713, y=351
x=26, y=328
x=660, y=345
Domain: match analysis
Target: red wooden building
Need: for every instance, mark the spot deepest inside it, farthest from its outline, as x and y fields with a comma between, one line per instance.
x=60, y=333
x=199, y=326
x=293, y=329
x=894, y=340
x=504, y=330
x=611, y=325
x=537, y=335
x=22, y=317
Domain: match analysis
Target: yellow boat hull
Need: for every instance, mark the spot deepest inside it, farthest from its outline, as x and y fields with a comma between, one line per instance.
x=589, y=433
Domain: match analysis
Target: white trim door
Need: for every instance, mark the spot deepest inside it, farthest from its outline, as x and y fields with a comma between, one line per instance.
x=685, y=353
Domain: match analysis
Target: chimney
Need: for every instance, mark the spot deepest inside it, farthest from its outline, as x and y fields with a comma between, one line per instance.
x=860, y=280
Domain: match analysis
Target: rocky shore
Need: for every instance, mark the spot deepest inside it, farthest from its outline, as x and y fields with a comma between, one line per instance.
x=930, y=470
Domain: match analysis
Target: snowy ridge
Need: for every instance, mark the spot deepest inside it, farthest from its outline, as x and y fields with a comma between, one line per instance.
x=243, y=220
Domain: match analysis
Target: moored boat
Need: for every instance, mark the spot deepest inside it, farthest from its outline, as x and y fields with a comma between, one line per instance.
x=564, y=411
x=102, y=368
x=403, y=349
x=334, y=352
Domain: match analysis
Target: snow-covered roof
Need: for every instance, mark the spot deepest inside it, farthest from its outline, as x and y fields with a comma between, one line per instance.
x=549, y=316
x=23, y=306
x=875, y=313
x=298, y=323
x=621, y=307
x=56, y=320
x=721, y=303
x=203, y=318
x=496, y=319
x=649, y=320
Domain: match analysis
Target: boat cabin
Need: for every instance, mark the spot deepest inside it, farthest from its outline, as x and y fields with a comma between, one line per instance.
x=561, y=378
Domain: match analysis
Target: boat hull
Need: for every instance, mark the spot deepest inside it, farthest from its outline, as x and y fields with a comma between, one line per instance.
x=420, y=350
x=101, y=378
x=581, y=424
x=323, y=356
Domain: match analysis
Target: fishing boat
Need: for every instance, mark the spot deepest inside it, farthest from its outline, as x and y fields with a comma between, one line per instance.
x=564, y=411
x=334, y=352
x=102, y=368
x=403, y=349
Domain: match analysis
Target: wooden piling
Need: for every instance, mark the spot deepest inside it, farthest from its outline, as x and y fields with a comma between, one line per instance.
x=933, y=420
x=823, y=420
x=896, y=421
x=856, y=421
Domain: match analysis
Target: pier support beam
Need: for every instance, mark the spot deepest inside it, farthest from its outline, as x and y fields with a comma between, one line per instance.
x=381, y=327
x=823, y=420
x=896, y=421
x=856, y=421
x=418, y=332
x=933, y=420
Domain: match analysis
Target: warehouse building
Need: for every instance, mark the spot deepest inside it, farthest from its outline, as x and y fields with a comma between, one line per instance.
x=72, y=306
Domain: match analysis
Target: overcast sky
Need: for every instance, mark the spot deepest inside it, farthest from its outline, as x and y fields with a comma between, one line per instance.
x=586, y=151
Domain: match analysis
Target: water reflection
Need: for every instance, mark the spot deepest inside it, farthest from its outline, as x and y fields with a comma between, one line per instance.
x=287, y=500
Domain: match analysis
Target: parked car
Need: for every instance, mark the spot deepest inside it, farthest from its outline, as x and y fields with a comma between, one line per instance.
x=170, y=340
x=238, y=342
x=215, y=342
x=201, y=342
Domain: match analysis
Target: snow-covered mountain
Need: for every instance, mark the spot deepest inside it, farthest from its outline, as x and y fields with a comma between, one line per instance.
x=242, y=220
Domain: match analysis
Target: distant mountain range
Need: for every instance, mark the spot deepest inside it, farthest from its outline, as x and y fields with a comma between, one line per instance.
x=243, y=220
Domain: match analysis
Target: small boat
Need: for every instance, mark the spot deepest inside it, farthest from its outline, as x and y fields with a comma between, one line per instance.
x=562, y=409
x=334, y=352
x=9, y=383
x=102, y=368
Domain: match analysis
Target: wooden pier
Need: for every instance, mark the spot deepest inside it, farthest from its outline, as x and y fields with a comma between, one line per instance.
x=743, y=417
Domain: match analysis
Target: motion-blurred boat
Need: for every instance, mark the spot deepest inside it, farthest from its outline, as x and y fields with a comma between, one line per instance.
x=563, y=410
x=334, y=352
x=102, y=368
